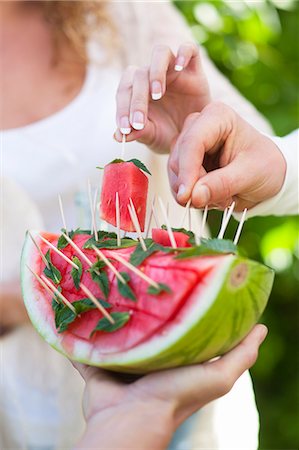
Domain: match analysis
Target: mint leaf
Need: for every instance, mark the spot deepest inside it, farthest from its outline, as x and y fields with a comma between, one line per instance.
x=121, y=318
x=139, y=255
x=62, y=242
x=109, y=243
x=209, y=247
x=64, y=316
x=77, y=273
x=52, y=272
x=101, y=278
x=156, y=291
x=116, y=161
x=139, y=164
x=124, y=289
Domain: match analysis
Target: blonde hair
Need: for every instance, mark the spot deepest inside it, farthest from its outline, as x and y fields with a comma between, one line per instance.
x=75, y=22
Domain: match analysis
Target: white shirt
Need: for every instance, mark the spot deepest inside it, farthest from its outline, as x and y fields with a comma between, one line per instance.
x=40, y=393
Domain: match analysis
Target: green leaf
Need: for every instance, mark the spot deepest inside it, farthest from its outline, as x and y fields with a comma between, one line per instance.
x=156, y=291
x=116, y=161
x=124, y=289
x=77, y=273
x=209, y=247
x=140, y=165
x=101, y=278
x=62, y=242
x=109, y=243
x=52, y=272
x=121, y=318
x=64, y=316
x=139, y=255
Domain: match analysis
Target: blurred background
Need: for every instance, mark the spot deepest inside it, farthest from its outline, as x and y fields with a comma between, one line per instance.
x=256, y=45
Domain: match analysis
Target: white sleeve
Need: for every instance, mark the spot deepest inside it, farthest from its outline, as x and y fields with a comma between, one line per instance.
x=286, y=202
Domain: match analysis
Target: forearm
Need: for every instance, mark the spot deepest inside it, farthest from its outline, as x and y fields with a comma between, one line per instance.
x=141, y=426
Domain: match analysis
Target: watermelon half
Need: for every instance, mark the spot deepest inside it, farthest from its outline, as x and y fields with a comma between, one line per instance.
x=210, y=302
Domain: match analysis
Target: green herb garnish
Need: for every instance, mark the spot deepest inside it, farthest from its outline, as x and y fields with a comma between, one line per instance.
x=124, y=289
x=158, y=290
x=52, y=272
x=140, y=165
x=77, y=273
x=120, y=318
x=209, y=247
x=62, y=242
x=109, y=243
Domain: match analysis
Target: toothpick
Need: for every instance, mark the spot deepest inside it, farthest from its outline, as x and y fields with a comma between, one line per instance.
x=108, y=263
x=169, y=230
x=123, y=147
x=61, y=212
x=135, y=270
x=155, y=215
x=97, y=303
x=189, y=218
x=41, y=282
x=240, y=226
x=59, y=294
x=68, y=260
x=39, y=250
x=93, y=221
x=136, y=224
x=203, y=222
x=150, y=218
x=187, y=207
x=225, y=222
x=78, y=250
x=117, y=217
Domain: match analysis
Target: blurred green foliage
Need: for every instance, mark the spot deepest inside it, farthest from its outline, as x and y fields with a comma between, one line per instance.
x=256, y=45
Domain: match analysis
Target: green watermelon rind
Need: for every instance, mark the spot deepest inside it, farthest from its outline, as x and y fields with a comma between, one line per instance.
x=224, y=315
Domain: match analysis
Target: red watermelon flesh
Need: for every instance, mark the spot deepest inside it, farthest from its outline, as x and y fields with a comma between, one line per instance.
x=149, y=314
x=162, y=237
x=130, y=183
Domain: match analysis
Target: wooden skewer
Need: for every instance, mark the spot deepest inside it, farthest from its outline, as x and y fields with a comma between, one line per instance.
x=93, y=221
x=41, y=282
x=203, y=222
x=78, y=250
x=189, y=218
x=59, y=294
x=108, y=263
x=240, y=226
x=62, y=212
x=97, y=303
x=117, y=218
x=187, y=207
x=136, y=224
x=123, y=144
x=68, y=260
x=150, y=218
x=155, y=215
x=169, y=230
x=135, y=270
x=225, y=222
x=39, y=250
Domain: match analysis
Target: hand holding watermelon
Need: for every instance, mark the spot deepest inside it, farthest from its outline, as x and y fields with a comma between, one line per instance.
x=153, y=102
x=163, y=399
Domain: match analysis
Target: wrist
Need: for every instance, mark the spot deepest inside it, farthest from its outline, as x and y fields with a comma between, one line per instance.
x=141, y=425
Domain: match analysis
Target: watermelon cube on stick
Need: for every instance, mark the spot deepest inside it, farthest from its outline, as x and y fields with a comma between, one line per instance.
x=128, y=180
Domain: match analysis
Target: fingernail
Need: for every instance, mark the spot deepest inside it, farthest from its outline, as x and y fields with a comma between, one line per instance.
x=179, y=64
x=118, y=135
x=182, y=190
x=156, y=90
x=138, y=120
x=203, y=192
x=125, y=125
x=263, y=335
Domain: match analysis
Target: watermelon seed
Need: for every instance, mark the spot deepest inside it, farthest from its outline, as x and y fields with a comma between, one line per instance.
x=49, y=244
x=58, y=293
x=97, y=303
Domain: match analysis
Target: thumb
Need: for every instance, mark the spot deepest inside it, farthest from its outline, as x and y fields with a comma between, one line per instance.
x=219, y=186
